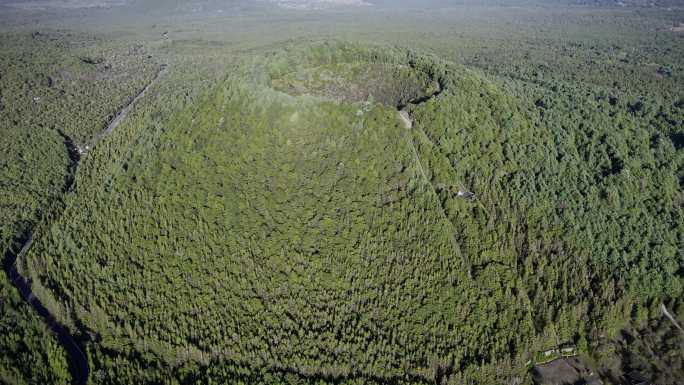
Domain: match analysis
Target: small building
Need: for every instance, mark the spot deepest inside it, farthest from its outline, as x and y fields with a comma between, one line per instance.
x=568, y=350
x=465, y=194
x=546, y=356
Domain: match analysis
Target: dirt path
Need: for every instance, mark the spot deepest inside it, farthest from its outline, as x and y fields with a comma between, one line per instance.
x=114, y=123
x=408, y=123
x=454, y=243
x=671, y=318
x=78, y=362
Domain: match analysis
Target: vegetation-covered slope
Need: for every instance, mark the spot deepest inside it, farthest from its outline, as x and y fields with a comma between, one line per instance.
x=253, y=186
x=29, y=354
x=50, y=89
x=258, y=233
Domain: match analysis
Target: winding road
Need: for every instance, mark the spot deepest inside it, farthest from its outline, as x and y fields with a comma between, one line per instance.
x=78, y=361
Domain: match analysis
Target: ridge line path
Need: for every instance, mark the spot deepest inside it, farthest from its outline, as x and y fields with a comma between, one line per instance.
x=78, y=362
x=408, y=123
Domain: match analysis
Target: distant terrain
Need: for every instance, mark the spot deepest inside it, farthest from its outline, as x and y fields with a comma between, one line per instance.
x=46, y=4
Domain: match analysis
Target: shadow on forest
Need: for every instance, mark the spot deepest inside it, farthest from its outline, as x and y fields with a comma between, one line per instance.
x=677, y=140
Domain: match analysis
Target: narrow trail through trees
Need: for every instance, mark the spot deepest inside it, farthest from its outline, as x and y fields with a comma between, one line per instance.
x=671, y=318
x=114, y=123
x=409, y=124
x=78, y=362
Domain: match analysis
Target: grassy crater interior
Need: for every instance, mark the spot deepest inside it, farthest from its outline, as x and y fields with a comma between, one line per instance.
x=393, y=85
